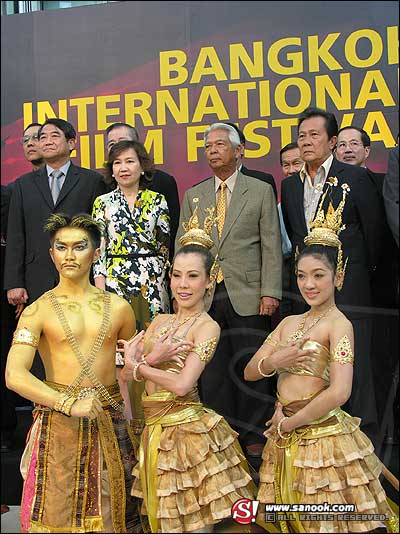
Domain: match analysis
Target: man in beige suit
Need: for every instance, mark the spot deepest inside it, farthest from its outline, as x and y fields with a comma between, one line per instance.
x=248, y=243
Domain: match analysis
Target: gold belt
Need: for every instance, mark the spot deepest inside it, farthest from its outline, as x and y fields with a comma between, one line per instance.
x=84, y=392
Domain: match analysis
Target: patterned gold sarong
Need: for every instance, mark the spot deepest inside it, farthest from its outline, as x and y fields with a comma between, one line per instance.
x=191, y=468
x=77, y=472
x=331, y=461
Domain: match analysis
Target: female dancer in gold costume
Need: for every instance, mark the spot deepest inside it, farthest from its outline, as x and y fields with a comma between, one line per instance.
x=315, y=452
x=191, y=469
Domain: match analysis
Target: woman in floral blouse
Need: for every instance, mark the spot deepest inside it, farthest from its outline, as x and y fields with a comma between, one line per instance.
x=134, y=248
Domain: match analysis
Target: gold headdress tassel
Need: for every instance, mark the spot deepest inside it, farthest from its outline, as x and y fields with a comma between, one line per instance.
x=325, y=229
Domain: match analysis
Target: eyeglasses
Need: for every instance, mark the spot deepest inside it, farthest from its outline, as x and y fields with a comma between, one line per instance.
x=26, y=138
x=351, y=144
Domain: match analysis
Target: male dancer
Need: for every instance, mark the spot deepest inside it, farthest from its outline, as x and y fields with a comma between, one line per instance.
x=79, y=455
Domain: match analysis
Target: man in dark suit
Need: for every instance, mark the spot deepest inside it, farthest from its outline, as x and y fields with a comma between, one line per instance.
x=29, y=271
x=354, y=147
x=391, y=192
x=361, y=238
x=161, y=183
x=10, y=314
x=8, y=323
x=248, y=287
x=391, y=201
x=264, y=176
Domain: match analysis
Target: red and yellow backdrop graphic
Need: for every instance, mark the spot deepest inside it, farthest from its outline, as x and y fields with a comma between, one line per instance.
x=173, y=68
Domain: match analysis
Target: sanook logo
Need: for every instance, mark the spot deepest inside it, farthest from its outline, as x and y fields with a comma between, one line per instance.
x=313, y=508
x=244, y=511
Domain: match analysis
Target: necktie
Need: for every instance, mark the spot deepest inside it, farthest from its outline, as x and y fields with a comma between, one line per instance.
x=221, y=213
x=55, y=184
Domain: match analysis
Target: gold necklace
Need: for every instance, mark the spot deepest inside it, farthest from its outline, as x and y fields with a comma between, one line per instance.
x=300, y=332
x=170, y=326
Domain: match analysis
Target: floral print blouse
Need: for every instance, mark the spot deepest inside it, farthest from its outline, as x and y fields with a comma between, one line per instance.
x=134, y=248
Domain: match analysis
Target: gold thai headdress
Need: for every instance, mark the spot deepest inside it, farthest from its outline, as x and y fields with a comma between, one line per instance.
x=325, y=229
x=194, y=235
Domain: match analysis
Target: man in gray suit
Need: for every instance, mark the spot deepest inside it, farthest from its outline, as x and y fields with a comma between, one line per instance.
x=248, y=243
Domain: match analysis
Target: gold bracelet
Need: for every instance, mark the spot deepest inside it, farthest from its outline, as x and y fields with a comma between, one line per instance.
x=58, y=406
x=259, y=368
x=64, y=405
x=278, y=428
x=68, y=406
x=134, y=371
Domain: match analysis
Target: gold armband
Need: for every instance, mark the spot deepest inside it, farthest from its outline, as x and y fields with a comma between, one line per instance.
x=206, y=349
x=271, y=341
x=64, y=405
x=23, y=336
x=343, y=353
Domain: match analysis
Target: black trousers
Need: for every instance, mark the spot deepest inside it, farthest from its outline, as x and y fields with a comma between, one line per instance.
x=245, y=405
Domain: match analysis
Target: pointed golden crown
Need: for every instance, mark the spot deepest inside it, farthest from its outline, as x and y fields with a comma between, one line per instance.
x=325, y=229
x=194, y=235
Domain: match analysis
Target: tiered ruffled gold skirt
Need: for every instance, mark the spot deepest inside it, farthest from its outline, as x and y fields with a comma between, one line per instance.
x=332, y=463
x=200, y=469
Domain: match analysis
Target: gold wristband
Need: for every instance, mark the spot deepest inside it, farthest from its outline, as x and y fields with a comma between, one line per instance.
x=259, y=365
x=58, y=406
x=64, y=405
x=68, y=406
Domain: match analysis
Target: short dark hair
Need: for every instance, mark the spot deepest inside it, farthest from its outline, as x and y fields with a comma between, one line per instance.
x=132, y=130
x=326, y=254
x=204, y=253
x=32, y=124
x=145, y=161
x=239, y=131
x=365, y=138
x=58, y=221
x=331, y=124
x=64, y=126
x=289, y=146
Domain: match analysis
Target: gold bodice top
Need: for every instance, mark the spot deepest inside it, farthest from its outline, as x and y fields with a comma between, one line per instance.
x=318, y=368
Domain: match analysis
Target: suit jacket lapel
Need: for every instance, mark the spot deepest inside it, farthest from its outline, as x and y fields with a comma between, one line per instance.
x=237, y=203
x=298, y=197
x=42, y=181
x=70, y=180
